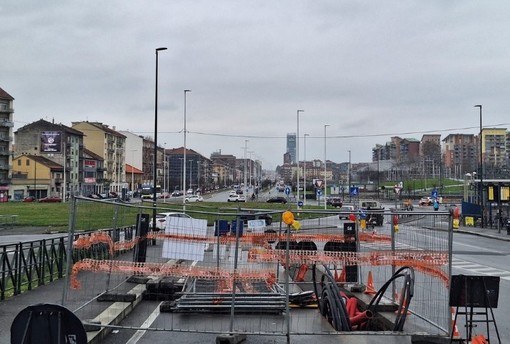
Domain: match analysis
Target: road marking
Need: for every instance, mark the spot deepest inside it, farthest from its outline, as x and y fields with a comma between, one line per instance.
x=480, y=269
x=148, y=322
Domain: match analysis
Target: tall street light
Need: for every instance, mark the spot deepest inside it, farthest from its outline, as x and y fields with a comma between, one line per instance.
x=164, y=194
x=481, y=164
x=349, y=176
x=297, y=153
x=184, y=156
x=155, y=172
x=132, y=169
x=304, y=170
x=245, y=165
x=325, y=170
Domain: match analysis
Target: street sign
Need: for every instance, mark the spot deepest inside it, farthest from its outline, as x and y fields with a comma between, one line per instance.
x=287, y=191
x=319, y=192
x=433, y=194
x=300, y=203
x=354, y=190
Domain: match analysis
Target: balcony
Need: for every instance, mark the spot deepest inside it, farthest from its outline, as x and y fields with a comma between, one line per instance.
x=5, y=109
x=6, y=123
x=5, y=138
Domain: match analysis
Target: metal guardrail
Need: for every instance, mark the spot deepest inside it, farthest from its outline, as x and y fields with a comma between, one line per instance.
x=30, y=264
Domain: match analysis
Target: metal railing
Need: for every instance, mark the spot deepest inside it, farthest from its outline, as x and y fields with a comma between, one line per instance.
x=30, y=264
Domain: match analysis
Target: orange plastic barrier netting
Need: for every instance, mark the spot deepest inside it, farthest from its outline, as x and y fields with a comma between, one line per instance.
x=431, y=258
x=86, y=241
x=166, y=270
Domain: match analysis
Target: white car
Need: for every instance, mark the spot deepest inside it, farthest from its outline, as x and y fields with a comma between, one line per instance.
x=161, y=219
x=194, y=198
x=236, y=198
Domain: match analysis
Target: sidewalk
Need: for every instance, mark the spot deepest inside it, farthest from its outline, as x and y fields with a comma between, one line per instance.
x=493, y=233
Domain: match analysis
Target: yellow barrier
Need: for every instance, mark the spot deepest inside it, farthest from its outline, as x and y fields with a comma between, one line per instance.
x=469, y=221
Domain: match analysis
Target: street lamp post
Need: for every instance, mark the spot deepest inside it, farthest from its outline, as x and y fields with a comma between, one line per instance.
x=190, y=175
x=297, y=154
x=245, y=165
x=64, y=193
x=132, y=170
x=304, y=170
x=325, y=169
x=184, y=156
x=155, y=172
x=349, y=176
x=164, y=194
x=481, y=165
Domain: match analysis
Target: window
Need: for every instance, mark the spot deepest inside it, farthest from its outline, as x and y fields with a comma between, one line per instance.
x=19, y=162
x=28, y=162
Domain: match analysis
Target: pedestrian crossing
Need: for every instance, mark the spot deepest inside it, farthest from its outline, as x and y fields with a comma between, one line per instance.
x=474, y=268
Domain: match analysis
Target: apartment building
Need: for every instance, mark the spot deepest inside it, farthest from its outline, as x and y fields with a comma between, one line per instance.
x=58, y=143
x=36, y=176
x=460, y=154
x=108, y=144
x=6, y=125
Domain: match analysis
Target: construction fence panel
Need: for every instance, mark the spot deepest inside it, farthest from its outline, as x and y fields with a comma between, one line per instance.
x=236, y=271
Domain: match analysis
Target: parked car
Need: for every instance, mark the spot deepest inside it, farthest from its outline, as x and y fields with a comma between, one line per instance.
x=236, y=198
x=254, y=216
x=277, y=199
x=161, y=219
x=176, y=193
x=29, y=199
x=194, y=198
x=50, y=199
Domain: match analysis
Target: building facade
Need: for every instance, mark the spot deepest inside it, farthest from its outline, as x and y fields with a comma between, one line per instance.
x=460, y=153
x=6, y=125
x=291, y=147
x=58, y=143
x=36, y=176
x=110, y=146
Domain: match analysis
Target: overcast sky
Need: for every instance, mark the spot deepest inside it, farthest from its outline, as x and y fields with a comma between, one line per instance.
x=368, y=69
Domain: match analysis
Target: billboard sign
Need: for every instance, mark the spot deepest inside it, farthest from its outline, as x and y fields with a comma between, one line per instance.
x=51, y=141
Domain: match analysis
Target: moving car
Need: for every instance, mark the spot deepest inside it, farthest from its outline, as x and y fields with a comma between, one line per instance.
x=194, y=198
x=236, y=198
x=161, y=219
x=50, y=199
x=334, y=202
x=346, y=210
x=277, y=199
x=426, y=201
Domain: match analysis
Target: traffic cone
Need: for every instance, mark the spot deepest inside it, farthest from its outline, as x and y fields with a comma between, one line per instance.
x=480, y=339
x=370, y=290
x=301, y=273
x=341, y=278
x=455, y=330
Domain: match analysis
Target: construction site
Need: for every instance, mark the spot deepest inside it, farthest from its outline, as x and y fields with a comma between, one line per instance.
x=218, y=275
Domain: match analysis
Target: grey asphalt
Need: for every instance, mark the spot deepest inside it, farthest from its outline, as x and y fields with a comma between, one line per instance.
x=52, y=293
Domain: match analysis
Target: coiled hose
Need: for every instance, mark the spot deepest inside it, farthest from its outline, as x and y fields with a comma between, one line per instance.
x=330, y=302
x=405, y=298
